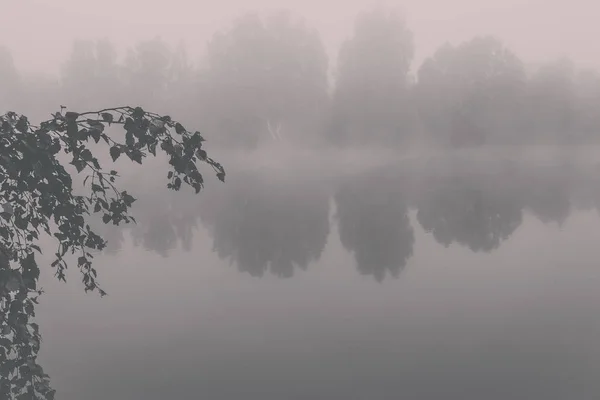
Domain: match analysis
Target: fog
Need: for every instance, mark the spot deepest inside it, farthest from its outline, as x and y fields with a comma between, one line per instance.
x=537, y=30
x=411, y=207
x=424, y=281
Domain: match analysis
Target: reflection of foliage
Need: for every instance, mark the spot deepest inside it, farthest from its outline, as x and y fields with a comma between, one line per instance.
x=548, y=196
x=163, y=222
x=169, y=221
x=265, y=223
x=373, y=223
x=38, y=197
x=470, y=212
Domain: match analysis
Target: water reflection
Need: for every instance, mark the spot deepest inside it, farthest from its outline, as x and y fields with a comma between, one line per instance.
x=527, y=327
x=477, y=212
x=548, y=191
x=266, y=221
x=373, y=223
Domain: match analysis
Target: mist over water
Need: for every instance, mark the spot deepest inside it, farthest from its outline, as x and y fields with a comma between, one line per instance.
x=408, y=212
x=448, y=278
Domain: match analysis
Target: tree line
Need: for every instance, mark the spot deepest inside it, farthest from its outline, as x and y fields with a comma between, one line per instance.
x=267, y=79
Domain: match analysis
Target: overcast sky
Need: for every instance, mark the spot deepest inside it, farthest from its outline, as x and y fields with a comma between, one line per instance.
x=39, y=32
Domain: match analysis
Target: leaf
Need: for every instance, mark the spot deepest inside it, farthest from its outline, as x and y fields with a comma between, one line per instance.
x=96, y=134
x=179, y=128
x=115, y=152
x=152, y=148
x=72, y=128
x=86, y=155
x=128, y=199
x=221, y=176
x=137, y=113
x=108, y=117
x=106, y=218
x=22, y=125
x=79, y=165
x=129, y=139
x=136, y=156
x=71, y=116
x=94, y=124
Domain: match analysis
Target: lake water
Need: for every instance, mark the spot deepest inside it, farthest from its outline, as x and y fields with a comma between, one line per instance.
x=437, y=279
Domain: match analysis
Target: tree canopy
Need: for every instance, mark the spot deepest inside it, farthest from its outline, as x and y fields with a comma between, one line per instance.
x=40, y=199
x=371, y=98
x=266, y=75
x=471, y=92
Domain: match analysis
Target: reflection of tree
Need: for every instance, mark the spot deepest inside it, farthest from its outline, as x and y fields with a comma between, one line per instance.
x=265, y=223
x=162, y=222
x=374, y=225
x=167, y=221
x=475, y=213
x=548, y=195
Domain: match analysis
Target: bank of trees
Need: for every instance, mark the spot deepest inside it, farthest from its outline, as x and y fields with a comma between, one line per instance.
x=268, y=79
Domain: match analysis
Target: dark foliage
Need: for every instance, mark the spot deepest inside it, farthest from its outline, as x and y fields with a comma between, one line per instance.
x=40, y=199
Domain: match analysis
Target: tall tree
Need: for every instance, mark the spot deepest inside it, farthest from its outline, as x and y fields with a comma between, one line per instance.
x=267, y=80
x=91, y=76
x=587, y=106
x=551, y=101
x=471, y=93
x=147, y=72
x=10, y=82
x=371, y=98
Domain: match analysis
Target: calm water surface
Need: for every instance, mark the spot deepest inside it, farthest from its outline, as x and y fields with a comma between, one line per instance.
x=438, y=280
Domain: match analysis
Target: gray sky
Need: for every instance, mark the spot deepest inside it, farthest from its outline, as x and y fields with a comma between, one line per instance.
x=40, y=32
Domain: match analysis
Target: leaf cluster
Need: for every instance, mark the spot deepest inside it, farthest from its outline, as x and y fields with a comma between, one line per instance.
x=38, y=198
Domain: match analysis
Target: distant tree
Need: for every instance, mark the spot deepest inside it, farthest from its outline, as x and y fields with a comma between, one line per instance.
x=587, y=106
x=10, y=81
x=371, y=102
x=266, y=80
x=92, y=65
x=40, y=200
x=471, y=93
x=147, y=72
x=551, y=101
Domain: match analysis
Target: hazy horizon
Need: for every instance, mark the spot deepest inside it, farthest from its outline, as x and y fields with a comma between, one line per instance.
x=537, y=31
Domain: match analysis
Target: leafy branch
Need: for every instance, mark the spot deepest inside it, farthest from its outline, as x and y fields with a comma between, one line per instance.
x=37, y=195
